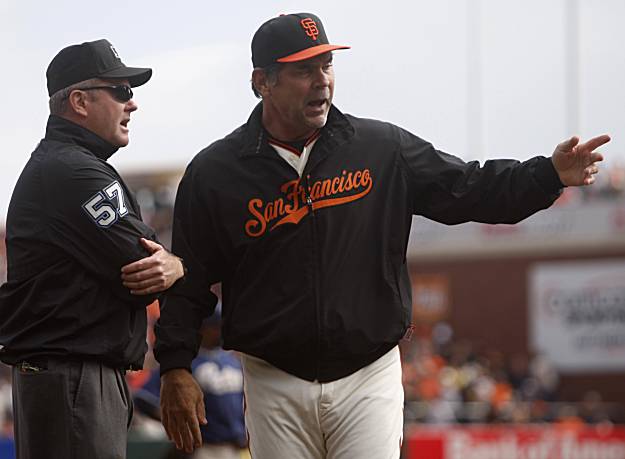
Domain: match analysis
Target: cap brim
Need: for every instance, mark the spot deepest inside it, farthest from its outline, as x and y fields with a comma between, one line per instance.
x=310, y=52
x=136, y=76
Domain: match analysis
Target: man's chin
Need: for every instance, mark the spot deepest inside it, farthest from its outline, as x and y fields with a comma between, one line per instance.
x=317, y=122
x=121, y=141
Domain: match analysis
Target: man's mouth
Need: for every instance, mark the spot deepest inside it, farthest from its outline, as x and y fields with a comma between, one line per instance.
x=317, y=103
x=124, y=123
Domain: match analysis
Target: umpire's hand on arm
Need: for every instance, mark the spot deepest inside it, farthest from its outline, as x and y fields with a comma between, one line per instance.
x=575, y=162
x=182, y=409
x=152, y=274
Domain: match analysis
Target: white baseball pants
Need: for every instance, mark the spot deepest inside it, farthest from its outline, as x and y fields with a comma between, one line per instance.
x=359, y=416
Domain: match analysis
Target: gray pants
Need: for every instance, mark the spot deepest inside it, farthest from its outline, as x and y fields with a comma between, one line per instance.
x=70, y=410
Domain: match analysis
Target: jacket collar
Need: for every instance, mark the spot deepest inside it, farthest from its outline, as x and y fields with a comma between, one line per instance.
x=336, y=131
x=63, y=130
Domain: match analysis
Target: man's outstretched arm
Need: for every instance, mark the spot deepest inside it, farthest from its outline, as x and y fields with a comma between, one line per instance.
x=575, y=162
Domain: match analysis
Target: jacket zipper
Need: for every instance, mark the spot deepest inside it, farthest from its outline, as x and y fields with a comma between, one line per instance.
x=316, y=288
x=315, y=272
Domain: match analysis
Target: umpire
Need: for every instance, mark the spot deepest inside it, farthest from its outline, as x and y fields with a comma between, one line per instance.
x=69, y=324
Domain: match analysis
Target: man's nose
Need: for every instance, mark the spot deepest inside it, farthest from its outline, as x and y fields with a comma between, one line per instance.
x=322, y=78
x=131, y=106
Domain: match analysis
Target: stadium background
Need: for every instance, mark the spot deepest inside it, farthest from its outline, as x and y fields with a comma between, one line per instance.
x=486, y=349
x=473, y=359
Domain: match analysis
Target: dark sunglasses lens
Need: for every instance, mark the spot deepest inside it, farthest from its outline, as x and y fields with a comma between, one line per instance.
x=122, y=93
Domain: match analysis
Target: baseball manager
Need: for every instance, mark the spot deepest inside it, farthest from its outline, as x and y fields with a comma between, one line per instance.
x=303, y=213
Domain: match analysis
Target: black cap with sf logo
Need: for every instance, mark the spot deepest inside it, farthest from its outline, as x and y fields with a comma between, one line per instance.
x=92, y=59
x=290, y=38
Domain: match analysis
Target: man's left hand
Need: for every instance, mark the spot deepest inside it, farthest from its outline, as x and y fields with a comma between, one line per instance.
x=152, y=274
x=575, y=162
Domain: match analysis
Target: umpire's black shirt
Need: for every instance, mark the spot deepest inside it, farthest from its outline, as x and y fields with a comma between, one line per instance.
x=72, y=224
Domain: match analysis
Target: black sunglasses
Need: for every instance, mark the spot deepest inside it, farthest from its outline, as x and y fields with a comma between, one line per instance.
x=120, y=93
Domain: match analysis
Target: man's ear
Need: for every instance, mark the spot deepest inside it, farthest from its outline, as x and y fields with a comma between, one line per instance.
x=78, y=102
x=259, y=80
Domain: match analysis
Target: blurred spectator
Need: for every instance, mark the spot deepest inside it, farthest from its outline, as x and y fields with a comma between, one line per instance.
x=592, y=409
x=219, y=374
x=6, y=418
x=567, y=418
x=546, y=376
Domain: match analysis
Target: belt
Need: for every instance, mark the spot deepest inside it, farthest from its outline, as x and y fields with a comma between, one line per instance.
x=39, y=363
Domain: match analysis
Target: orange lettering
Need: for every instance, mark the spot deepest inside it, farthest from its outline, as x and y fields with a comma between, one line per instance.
x=349, y=185
x=278, y=207
x=292, y=195
x=366, y=177
x=342, y=185
x=289, y=209
x=260, y=221
x=326, y=188
x=269, y=213
x=314, y=192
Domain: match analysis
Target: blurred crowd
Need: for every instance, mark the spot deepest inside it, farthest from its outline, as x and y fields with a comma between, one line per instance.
x=446, y=381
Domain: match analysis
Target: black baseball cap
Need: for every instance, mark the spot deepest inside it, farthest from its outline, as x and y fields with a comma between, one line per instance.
x=92, y=59
x=290, y=38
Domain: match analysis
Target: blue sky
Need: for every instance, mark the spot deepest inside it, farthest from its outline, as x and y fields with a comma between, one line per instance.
x=478, y=78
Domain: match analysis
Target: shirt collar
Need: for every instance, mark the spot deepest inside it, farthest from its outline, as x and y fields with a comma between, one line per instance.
x=64, y=130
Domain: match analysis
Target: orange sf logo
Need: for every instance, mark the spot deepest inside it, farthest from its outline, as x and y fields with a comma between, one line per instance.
x=310, y=27
x=291, y=207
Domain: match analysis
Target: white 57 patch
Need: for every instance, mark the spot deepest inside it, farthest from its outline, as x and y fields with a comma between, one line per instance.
x=106, y=206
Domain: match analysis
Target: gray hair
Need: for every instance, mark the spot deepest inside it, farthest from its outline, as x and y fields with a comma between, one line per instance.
x=59, y=101
x=271, y=74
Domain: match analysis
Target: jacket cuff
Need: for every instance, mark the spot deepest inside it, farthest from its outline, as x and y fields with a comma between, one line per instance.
x=547, y=176
x=180, y=358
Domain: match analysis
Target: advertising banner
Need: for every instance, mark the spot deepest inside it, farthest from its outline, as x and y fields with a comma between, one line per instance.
x=430, y=298
x=577, y=314
x=514, y=442
x=563, y=228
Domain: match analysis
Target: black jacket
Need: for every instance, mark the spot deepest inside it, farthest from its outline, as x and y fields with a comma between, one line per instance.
x=72, y=224
x=313, y=270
